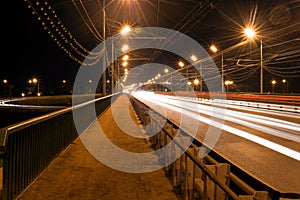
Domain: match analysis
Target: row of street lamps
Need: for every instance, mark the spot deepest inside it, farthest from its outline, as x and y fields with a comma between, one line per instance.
x=250, y=34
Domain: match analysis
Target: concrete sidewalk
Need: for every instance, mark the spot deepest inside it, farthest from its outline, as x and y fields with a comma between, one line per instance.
x=76, y=174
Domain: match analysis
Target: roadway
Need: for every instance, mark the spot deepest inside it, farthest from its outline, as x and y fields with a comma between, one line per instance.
x=262, y=142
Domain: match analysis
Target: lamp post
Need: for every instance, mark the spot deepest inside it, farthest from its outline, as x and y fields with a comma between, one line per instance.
x=35, y=81
x=124, y=31
x=194, y=58
x=7, y=88
x=214, y=49
x=196, y=83
x=284, y=81
x=104, y=50
x=228, y=83
x=181, y=64
x=273, y=85
x=250, y=34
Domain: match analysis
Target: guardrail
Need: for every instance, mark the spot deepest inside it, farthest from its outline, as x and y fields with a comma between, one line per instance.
x=27, y=148
x=195, y=177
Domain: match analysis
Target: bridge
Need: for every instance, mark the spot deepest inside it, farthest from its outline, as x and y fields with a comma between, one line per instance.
x=189, y=147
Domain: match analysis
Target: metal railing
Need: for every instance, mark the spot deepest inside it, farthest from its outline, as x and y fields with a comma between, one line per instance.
x=27, y=148
x=195, y=177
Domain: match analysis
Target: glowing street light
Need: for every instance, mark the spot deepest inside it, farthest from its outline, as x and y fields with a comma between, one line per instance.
x=5, y=81
x=273, y=85
x=196, y=81
x=125, y=57
x=194, y=58
x=125, y=47
x=181, y=64
x=227, y=83
x=284, y=81
x=250, y=34
x=214, y=49
x=124, y=64
x=35, y=81
x=125, y=30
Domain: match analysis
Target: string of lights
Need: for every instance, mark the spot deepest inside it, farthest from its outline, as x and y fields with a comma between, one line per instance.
x=54, y=27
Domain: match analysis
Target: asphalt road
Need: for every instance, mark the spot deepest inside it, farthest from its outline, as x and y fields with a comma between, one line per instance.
x=264, y=143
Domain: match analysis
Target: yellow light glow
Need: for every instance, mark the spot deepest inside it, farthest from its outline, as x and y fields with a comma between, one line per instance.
x=249, y=32
x=125, y=30
x=125, y=57
x=194, y=58
x=181, y=64
x=196, y=81
x=125, y=47
x=213, y=48
x=125, y=63
x=228, y=82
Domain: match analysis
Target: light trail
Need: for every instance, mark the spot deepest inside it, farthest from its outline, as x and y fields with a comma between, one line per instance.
x=240, y=118
x=250, y=117
x=179, y=106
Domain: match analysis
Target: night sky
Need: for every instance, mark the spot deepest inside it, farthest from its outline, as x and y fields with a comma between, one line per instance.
x=30, y=52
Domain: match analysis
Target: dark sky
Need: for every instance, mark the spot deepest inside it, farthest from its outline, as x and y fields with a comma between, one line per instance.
x=30, y=52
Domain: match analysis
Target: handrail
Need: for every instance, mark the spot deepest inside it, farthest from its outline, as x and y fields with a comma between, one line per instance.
x=28, y=147
x=205, y=169
x=30, y=122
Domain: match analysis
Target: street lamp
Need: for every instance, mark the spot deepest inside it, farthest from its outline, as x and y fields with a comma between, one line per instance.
x=227, y=83
x=214, y=49
x=181, y=64
x=104, y=50
x=125, y=48
x=35, y=81
x=194, y=59
x=250, y=34
x=284, y=81
x=8, y=87
x=125, y=30
x=273, y=85
x=196, y=83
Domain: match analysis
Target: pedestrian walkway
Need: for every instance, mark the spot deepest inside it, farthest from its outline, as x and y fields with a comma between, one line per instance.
x=76, y=174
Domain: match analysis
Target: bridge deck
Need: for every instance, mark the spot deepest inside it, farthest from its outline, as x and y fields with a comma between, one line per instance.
x=76, y=174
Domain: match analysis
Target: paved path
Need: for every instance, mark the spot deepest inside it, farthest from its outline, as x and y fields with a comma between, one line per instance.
x=76, y=174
